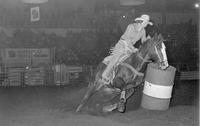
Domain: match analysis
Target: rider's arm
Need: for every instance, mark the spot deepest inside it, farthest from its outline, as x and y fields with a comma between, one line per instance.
x=128, y=32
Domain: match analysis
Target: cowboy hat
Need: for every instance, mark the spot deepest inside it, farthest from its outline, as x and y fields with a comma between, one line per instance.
x=144, y=18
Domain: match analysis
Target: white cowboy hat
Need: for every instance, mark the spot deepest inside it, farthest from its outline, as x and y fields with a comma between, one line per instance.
x=144, y=18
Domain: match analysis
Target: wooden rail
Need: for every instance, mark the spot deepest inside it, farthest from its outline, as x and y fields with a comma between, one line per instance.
x=189, y=75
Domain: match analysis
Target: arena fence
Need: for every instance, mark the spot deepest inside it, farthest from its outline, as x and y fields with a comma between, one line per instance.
x=187, y=71
x=62, y=75
x=54, y=75
x=36, y=67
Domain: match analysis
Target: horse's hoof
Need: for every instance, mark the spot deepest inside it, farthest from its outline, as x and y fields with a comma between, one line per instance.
x=121, y=107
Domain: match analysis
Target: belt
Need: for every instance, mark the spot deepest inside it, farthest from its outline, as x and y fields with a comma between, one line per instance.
x=126, y=43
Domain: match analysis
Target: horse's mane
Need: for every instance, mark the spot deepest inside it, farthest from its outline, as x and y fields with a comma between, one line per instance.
x=147, y=44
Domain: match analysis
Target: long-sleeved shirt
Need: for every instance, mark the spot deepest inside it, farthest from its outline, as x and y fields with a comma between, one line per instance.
x=132, y=34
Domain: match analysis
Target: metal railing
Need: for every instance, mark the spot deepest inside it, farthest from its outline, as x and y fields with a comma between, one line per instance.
x=43, y=76
x=187, y=71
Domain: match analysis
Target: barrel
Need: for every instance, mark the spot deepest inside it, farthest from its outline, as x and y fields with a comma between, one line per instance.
x=158, y=87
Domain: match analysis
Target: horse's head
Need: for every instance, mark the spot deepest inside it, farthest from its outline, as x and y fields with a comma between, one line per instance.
x=155, y=50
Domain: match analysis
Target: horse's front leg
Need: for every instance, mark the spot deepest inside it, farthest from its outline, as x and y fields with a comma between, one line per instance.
x=126, y=93
x=122, y=101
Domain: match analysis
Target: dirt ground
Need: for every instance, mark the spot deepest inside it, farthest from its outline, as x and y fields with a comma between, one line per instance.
x=55, y=106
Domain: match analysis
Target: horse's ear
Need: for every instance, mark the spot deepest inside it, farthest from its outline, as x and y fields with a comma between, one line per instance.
x=156, y=34
x=160, y=35
x=155, y=37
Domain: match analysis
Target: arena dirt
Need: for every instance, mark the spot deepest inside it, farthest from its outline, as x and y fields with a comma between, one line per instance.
x=39, y=106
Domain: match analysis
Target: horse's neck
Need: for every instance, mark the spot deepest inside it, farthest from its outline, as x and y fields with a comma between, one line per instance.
x=142, y=52
x=143, y=56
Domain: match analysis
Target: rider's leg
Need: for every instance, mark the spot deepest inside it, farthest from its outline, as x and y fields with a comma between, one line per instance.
x=115, y=56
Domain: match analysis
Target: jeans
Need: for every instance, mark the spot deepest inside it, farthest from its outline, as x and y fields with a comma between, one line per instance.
x=121, y=49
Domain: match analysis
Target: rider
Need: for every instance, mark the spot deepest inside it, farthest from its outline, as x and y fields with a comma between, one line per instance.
x=125, y=45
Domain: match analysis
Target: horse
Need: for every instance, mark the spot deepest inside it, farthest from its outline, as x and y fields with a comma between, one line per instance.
x=128, y=76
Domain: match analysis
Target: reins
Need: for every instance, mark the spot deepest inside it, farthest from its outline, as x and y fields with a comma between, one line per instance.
x=130, y=67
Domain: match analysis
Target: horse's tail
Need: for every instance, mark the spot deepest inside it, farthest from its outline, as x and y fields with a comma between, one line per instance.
x=87, y=95
x=92, y=89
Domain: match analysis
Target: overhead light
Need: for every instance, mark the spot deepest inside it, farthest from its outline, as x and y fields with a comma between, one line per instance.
x=196, y=5
x=34, y=1
x=131, y=2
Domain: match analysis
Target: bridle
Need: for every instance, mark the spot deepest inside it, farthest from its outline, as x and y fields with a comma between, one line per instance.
x=157, y=53
x=164, y=55
x=144, y=60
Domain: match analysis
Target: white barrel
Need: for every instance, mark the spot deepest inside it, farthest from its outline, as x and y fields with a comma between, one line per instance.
x=158, y=87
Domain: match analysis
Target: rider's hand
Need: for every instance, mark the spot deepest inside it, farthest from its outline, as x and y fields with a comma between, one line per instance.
x=136, y=49
x=133, y=50
x=148, y=37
